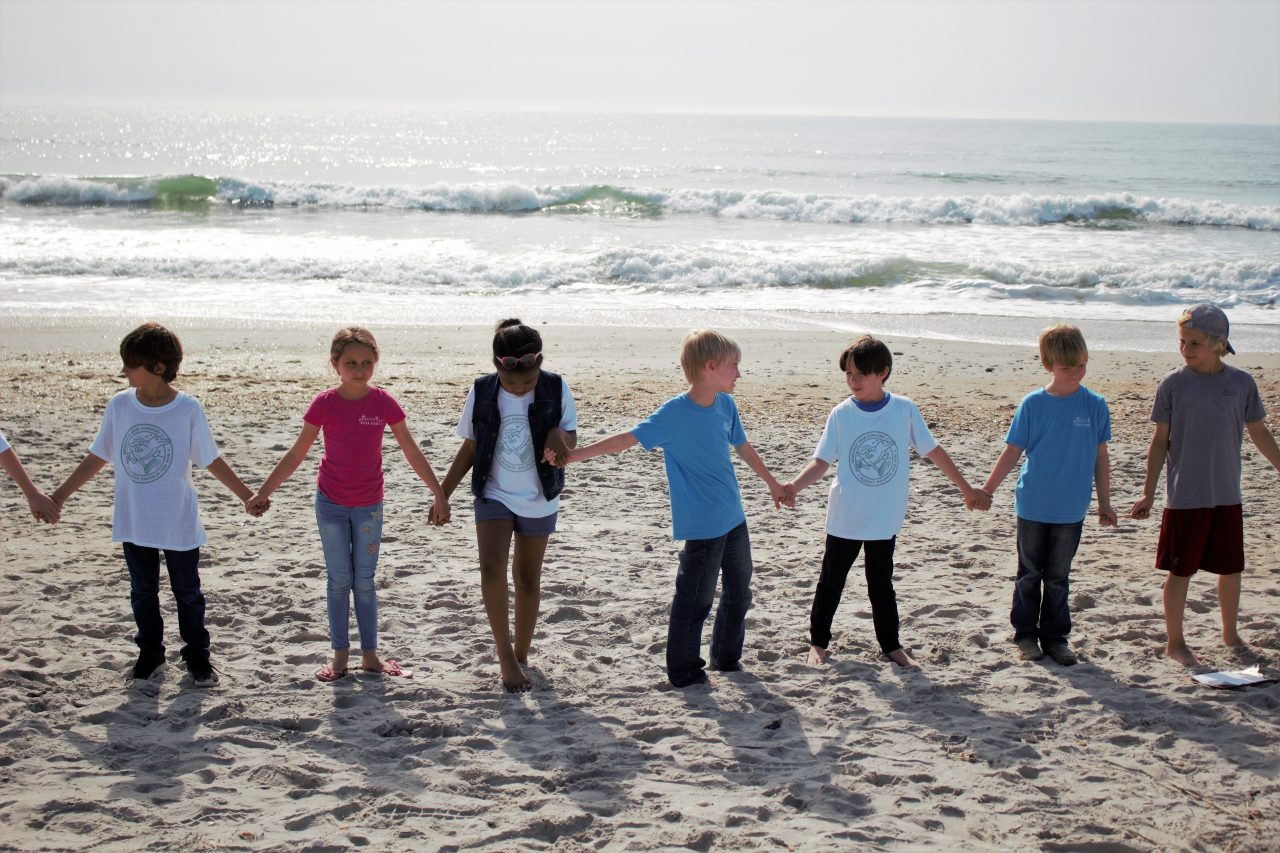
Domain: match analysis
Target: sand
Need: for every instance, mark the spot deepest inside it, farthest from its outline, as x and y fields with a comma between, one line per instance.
x=977, y=750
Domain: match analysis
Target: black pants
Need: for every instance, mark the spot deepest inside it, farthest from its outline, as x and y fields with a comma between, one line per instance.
x=836, y=562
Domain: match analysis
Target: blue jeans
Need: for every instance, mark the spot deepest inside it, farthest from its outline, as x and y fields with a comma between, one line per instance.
x=144, y=596
x=1044, y=559
x=701, y=561
x=350, y=536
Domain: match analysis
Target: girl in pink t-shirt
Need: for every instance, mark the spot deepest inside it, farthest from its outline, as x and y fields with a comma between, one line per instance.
x=352, y=417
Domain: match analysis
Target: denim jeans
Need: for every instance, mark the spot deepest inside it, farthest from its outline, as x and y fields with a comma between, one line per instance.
x=144, y=596
x=701, y=561
x=350, y=536
x=838, y=558
x=1044, y=559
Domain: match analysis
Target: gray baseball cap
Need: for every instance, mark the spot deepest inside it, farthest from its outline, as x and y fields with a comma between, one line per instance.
x=1211, y=320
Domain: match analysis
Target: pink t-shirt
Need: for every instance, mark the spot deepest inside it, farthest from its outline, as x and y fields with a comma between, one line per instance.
x=351, y=468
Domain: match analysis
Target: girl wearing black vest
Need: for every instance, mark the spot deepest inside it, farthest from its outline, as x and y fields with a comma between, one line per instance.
x=514, y=420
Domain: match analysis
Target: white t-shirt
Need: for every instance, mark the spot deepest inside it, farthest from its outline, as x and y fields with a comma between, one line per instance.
x=4, y=445
x=514, y=478
x=152, y=449
x=869, y=494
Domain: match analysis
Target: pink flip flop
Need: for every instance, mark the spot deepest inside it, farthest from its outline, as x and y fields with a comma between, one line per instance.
x=328, y=674
x=389, y=668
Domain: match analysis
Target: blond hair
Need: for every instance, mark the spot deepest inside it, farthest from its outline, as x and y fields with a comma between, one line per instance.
x=1062, y=345
x=703, y=345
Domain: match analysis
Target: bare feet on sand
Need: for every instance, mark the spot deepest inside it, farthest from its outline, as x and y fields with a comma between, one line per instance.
x=901, y=658
x=817, y=656
x=1180, y=654
x=1233, y=641
x=513, y=674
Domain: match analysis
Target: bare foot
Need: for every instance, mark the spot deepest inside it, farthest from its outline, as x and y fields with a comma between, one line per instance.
x=1233, y=641
x=370, y=662
x=1180, y=654
x=901, y=658
x=522, y=658
x=817, y=656
x=513, y=677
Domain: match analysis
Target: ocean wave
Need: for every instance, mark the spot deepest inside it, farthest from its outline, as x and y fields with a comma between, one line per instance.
x=455, y=266
x=1105, y=210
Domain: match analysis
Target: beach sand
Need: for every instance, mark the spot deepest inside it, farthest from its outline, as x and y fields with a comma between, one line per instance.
x=976, y=751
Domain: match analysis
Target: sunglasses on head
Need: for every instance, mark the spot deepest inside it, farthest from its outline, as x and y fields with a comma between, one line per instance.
x=511, y=362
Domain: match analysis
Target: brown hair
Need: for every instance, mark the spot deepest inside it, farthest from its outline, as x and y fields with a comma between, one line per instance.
x=869, y=355
x=151, y=345
x=351, y=335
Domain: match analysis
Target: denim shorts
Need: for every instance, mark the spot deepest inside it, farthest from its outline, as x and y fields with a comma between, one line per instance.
x=490, y=510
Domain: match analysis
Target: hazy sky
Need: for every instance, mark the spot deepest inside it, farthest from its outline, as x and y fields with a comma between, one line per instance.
x=1151, y=60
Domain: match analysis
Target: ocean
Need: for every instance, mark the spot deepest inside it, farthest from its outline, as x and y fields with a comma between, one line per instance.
x=975, y=230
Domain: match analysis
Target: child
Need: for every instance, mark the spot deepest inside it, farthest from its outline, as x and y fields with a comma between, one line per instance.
x=152, y=432
x=353, y=417
x=512, y=419
x=1064, y=429
x=42, y=506
x=1199, y=412
x=868, y=436
x=695, y=431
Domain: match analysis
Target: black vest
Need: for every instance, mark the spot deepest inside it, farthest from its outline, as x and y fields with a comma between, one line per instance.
x=545, y=413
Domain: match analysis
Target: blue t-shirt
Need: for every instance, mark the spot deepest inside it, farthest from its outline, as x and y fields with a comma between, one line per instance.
x=1060, y=436
x=695, y=442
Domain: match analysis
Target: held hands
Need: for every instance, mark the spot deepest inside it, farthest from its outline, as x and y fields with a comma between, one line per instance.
x=782, y=495
x=977, y=499
x=256, y=505
x=439, y=513
x=557, y=448
x=44, y=508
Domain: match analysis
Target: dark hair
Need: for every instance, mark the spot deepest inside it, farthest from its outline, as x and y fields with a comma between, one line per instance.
x=514, y=338
x=869, y=355
x=351, y=335
x=151, y=345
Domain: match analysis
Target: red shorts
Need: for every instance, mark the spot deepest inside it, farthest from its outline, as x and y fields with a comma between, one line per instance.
x=1195, y=539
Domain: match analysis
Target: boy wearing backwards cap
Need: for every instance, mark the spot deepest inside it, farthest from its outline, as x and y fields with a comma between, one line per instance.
x=1200, y=412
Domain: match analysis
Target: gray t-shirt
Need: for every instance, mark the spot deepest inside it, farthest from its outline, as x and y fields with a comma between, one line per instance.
x=1206, y=414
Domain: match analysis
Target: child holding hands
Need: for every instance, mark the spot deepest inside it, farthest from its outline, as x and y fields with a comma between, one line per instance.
x=152, y=432
x=1200, y=413
x=1063, y=428
x=353, y=417
x=867, y=436
x=42, y=506
x=695, y=431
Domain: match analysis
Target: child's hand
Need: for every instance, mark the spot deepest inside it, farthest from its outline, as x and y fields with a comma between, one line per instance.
x=1107, y=516
x=557, y=448
x=439, y=513
x=778, y=493
x=256, y=505
x=43, y=508
x=1141, y=508
x=791, y=491
x=978, y=499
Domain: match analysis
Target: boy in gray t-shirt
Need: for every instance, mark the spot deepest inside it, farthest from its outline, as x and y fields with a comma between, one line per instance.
x=1201, y=410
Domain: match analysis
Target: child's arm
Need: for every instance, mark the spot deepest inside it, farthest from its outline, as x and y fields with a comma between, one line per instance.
x=755, y=463
x=559, y=443
x=613, y=444
x=1265, y=442
x=1008, y=459
x=440, y=513
x=972, y=496
x=1155, y=462
x=284, y=468
x=42, y=506
x=418, y=462
x=88, y=467
x=1102, y=482
x=222, y=471
x=811, y=474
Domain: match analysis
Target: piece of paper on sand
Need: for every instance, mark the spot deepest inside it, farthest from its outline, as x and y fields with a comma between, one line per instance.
x=1235, y=678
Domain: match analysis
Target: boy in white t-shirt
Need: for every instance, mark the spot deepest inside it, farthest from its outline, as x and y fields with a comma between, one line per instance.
x=151, y=433
x=868, y=436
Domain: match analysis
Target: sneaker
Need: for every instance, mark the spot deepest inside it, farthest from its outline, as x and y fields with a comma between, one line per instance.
x=202, y=672
x=1029, y=647
x=1061, y=652
x=147, y=663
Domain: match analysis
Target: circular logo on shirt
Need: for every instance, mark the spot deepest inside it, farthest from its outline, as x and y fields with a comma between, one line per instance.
x=874, y=458
x=146, y=453
x=515, y=443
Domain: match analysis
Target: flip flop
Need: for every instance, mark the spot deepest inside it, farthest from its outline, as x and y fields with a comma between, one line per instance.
x=389, y=668
x=328, y=674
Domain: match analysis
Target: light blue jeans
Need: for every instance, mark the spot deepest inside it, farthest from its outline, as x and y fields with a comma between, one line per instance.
x=350, y=536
